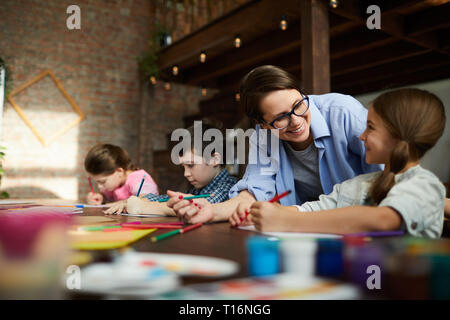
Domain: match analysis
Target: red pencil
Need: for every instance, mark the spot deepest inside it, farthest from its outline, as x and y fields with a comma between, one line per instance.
x=276, y=198
x=90, y=183
x=151, y=226
x=191, y=227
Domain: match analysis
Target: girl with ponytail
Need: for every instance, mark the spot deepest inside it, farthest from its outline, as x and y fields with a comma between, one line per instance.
x=402, y=125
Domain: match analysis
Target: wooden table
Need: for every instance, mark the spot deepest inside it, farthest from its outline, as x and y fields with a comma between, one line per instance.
x=217, y=240
x=213, y=240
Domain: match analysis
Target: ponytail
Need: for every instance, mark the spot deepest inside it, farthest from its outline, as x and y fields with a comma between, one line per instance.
x=398, y=160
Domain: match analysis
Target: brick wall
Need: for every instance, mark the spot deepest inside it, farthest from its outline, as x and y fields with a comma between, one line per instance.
x=97, y=67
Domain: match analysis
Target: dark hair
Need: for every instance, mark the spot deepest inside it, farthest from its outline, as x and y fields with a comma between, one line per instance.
x=258, y=83
x=106, y=158
x=206, y=125
x=416, y=118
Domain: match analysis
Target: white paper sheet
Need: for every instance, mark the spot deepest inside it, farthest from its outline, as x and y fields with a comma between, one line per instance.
x=293, y=234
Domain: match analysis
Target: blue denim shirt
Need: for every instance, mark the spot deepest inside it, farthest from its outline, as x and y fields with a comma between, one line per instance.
x=337, y=121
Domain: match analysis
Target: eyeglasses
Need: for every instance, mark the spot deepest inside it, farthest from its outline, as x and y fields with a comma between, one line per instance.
x=283, y=121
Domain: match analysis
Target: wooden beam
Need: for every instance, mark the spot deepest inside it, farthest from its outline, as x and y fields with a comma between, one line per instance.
x=428, y=20
x=251, y=17
x=378, y=56
x=276, y=43
x=403, y=79
x=379, y=73
x=391, y=21
x=315, y=58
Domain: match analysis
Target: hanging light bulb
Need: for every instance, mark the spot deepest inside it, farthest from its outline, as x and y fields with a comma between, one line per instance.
x=153, y=79
x=203, y=57
x=237, y=41
x=204, y=91
x=237, y=96
x=334, y=3
x=283, y=23
x=167, y=86
x=175, y=70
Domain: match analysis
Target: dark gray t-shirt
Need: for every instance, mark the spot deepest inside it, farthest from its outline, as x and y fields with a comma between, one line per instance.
x=305, y=166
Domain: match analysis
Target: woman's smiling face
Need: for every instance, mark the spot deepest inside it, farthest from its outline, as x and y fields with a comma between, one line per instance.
x=280, y=102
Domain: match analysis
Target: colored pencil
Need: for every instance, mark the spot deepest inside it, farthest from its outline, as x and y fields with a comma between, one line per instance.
x=152, y=226
x=194, y=226
x=165, y=235
x=190, y=197
x=99, y=228
x=90, y=183
x=174, y=232
x=140, y=187
x=377, y=234
x=278, y=197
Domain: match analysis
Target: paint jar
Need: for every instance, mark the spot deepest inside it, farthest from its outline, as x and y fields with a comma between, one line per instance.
x=299, y=256
x=351, y=246
x=406, y=276
x=264, y=257
x=440, y=276
x=329, y=258
x=33, y=249
x=364, y=263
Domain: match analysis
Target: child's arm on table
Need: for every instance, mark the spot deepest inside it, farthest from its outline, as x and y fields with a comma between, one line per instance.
x=207, y=212
x=140, y=205
x=274, y=217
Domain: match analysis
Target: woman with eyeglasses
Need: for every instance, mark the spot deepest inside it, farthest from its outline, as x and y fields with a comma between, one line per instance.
x=318, y=147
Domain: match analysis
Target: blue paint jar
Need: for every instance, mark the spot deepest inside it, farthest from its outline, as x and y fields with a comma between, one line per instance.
x=329, y=259
x=264, y=257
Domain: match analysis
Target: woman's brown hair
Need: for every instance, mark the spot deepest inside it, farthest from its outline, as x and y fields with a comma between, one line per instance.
x=416, y=119
x=106, y=158
x=258, y=83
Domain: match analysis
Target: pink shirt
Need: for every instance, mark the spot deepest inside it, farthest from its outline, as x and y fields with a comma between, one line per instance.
x=131, y=187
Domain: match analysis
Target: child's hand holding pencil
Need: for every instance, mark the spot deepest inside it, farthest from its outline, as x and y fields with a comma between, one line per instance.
x=241, y=215
x=189, y=208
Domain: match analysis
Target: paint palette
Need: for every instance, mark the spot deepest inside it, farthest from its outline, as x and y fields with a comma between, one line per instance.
x=125, y=281
x=184, y=265
x=286, y=286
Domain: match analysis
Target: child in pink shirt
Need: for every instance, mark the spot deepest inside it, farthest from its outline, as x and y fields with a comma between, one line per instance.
x=116, y=177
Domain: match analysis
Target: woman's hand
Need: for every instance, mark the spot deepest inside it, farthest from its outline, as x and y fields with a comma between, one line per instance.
x=94, y=198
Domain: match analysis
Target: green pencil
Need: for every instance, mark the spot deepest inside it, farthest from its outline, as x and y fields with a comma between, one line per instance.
x=191, y=197
x=165, y=235
x=99, y=228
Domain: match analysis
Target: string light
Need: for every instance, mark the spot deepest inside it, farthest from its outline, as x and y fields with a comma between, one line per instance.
x=204, y=91
x=283, y=23
x=175, y=70
x=153, y=79
x=237, y=96
x=203, y=57
x=167, y=86
x=237, y=41
x=334, y=3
